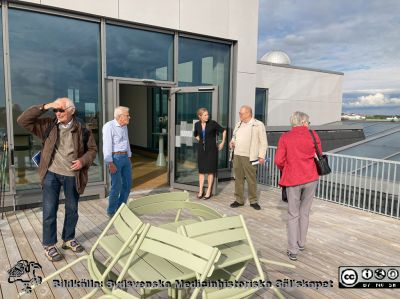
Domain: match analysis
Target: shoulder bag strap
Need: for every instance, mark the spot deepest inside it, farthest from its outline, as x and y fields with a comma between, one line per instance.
x=315, y=145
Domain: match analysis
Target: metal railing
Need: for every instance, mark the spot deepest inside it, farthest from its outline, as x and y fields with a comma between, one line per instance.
x=368, y=184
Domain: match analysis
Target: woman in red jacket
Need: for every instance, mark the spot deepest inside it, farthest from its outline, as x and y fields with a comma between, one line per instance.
x=295, y=158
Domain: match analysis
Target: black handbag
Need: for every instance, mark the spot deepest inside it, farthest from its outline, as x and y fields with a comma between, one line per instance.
x=321, y=161
x=284, y=194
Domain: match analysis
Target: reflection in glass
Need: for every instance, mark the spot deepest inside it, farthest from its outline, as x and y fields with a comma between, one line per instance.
x=207, y=63
x=136, y=53
x=185, y=170
x=3, y=121
x=52, y=57
x=159, y=116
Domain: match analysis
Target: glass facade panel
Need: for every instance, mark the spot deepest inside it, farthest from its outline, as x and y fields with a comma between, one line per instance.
x=53, y=57
x=4, y=179
x=159, y=116
x=207, y=63
x=260, y=107
x=185, y=170
x=136, y=53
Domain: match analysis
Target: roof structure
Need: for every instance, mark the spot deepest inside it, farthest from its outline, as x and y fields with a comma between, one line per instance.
x=382, y=141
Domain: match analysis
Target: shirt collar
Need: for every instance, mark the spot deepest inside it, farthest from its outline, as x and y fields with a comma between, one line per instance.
x=250, y=122
x=67, y=126
x=117, y=123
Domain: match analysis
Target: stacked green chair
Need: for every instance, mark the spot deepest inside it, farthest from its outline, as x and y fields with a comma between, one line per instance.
x=231, y=236
x=178, y=202
x=163, y=255
x=123, y=228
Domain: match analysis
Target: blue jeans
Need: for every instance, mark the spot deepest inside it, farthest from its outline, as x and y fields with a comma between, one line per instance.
x=51, y=198
x=121, y=182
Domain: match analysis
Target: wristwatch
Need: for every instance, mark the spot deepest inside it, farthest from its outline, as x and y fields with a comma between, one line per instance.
x=42, y=107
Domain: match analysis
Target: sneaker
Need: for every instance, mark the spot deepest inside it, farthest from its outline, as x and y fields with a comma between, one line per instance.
x=255, y=206
x=73, y=245
x=235, y=204
x=292, y=256
x=52, y=254
x=301, y=248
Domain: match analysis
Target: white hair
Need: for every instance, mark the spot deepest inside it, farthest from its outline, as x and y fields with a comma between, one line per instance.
x=68, y=103
x=248, y=108
x=118, y=111
x=298, y=118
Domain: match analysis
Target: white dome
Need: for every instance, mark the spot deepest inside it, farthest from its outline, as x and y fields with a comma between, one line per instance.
x=278, y=57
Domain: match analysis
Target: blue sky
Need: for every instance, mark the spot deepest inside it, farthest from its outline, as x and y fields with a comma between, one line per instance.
x=360, y=38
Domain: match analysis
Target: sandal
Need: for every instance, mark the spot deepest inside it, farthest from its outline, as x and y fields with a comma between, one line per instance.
x=52, y=253
x=73, y=245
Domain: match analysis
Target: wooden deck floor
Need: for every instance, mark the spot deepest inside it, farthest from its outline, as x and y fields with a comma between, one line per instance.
x=338, y=236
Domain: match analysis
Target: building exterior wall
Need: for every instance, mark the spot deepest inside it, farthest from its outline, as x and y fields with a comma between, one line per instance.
x=316, y=93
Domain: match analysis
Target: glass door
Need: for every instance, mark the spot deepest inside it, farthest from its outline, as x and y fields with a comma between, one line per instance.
x=183, y=146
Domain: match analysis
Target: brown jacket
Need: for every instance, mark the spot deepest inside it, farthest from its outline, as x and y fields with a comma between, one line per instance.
x=31, y=121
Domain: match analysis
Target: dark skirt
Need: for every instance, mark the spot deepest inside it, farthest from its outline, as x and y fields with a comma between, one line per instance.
x=207, y=159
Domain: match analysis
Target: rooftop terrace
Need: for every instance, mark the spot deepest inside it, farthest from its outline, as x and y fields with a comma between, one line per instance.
x=338, y=236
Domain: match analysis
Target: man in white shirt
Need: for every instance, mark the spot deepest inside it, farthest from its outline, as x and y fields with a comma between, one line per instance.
x=250, y=145
x=117, y=153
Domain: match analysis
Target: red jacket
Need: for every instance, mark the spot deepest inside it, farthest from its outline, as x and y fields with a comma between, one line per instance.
x=295, y=157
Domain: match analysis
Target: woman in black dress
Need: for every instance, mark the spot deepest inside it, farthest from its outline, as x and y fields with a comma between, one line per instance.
x=206, y=131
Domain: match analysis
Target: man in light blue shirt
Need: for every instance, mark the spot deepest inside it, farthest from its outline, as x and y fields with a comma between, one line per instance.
x=117, y=153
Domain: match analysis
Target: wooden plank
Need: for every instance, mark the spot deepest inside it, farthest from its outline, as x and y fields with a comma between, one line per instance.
x=15, y=243
x=46, y=290
x=36, y=221
x=8, y=290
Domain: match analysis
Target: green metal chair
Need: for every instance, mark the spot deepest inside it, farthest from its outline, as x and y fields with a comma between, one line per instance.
x=173, y=201
x=163, y=255
x=231, y=236
x=123, y=229
x=156, y=203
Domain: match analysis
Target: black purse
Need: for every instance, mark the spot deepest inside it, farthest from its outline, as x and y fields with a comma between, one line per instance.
x=284, y=194
x=321, y=161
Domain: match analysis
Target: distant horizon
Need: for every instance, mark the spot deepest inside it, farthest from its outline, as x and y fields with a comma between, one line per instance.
x=370, y=114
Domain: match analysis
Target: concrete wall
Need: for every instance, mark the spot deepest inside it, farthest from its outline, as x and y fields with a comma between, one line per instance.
x=135, y=97
x=235, y=20
x=317, y=93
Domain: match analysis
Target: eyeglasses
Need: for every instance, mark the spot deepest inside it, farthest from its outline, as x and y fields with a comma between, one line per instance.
x=127, y=115
x=55, y=110
x=58, y=110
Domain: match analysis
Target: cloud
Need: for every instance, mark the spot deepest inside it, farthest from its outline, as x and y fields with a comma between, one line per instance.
x=373, y=100
x=377, y=79
x=358, y=37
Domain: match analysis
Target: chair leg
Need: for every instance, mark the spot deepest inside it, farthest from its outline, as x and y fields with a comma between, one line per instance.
x=277, y=292
x=90, y=294
x=277, y=263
